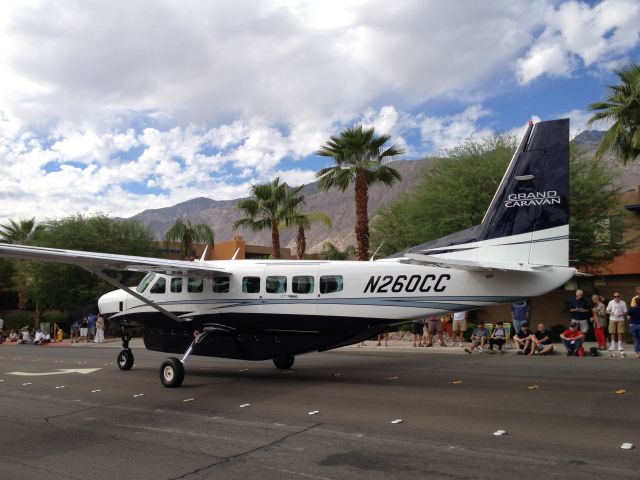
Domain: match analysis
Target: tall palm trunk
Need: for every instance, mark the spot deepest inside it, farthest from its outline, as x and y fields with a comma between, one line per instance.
x=38, y=312
x=301, y=243
x=362, y=215
x=22, y=300
x=275, y=239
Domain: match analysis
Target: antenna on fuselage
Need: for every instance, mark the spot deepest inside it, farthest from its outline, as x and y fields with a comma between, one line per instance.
x=204, y=254
x=374, y=253
x=235, y=254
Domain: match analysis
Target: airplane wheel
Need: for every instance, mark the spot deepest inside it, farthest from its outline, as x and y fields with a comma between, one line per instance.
x=171, y=372
x=125, y=360
x=283, y=362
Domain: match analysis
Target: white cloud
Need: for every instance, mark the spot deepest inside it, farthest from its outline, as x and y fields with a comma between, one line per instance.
x=594, y=34
x=446, y=132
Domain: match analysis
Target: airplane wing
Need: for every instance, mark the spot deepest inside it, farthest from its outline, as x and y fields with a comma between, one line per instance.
x=469, y=264
x=101, y=261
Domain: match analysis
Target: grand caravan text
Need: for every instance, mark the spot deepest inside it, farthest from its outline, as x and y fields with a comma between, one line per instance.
x=549, y=197
x=403, y=283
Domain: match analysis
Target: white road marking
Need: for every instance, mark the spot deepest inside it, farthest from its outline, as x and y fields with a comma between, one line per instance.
x=138, y=395
x=25, y=384
x=245, y=405
x=313, y=412
x=60, y=371
x=96, y=391
x=396, y=421
x=499, y=433
x=627, y=446
x=188, y=400
x=59, y=387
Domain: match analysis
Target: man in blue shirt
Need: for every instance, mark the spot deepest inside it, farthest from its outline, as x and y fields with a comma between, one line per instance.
x=91, y=324
x=580, y=312
x=519, y=314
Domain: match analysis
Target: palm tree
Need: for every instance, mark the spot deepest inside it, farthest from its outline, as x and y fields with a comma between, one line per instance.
x=622, y=107
x=303, y=222
x=270, y=204
x=186, y=234
x=20, y=232
x=331, y=252
x=359, y=156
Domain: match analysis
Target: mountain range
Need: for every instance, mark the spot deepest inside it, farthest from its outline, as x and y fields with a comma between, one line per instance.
x=339, y=206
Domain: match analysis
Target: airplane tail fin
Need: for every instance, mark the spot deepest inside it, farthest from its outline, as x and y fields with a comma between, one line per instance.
x=527, y=222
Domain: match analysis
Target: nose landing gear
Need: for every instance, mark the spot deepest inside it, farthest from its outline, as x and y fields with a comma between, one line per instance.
x=125, y=357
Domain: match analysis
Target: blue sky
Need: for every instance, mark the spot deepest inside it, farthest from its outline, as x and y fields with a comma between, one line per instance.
x=117, y=107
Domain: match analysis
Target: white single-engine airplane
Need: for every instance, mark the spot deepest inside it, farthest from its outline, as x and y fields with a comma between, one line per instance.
x=273, y=309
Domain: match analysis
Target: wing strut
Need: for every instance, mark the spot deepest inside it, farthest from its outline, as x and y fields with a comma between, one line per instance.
x=135, y=294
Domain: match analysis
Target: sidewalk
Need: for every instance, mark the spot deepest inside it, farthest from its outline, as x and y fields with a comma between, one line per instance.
x=394, y=345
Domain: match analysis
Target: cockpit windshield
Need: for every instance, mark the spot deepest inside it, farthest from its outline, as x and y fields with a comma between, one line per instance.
x=145, y=282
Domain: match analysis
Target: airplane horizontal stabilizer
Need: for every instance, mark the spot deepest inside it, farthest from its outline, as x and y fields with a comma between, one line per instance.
x=471, y=265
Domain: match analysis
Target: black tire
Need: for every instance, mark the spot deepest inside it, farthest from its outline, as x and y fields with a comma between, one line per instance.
x=283, y=362
x=172, y=372
x=125, y=360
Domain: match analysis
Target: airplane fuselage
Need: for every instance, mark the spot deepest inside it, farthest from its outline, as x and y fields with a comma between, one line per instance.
x=316, y=305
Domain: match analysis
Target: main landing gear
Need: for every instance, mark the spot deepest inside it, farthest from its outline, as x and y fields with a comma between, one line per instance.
x=125, y=357
x=283, y=362
x=172, y=369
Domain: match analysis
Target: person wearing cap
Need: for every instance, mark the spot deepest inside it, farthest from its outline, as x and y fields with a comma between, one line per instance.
x=580, y=312
x=541, y=341
x=617, y=310
x=572, y=338
x=522, y=340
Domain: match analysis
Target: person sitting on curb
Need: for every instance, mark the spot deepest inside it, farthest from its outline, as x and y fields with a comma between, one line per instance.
x=541, y=341
x=572, y=338
x=522, y=340
x=498, y=337
x=478, y=338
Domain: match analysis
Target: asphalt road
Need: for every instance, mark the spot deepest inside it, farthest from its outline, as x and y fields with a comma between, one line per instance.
x=562, y=417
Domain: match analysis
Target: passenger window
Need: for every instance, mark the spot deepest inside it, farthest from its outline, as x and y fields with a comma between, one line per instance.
x=195, y=285
x=251, y=285
x=302, y=284
x=276, y=284
x=221, y=285
x=331, y=284
x=160, y=286
x=145, y=282
x=176, y=285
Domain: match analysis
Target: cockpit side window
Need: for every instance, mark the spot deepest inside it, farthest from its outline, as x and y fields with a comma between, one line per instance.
x=145, y=282
x=160, y=286
x=250, y=284
x=195, y=285
x=176, y=285
x=331, y=284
